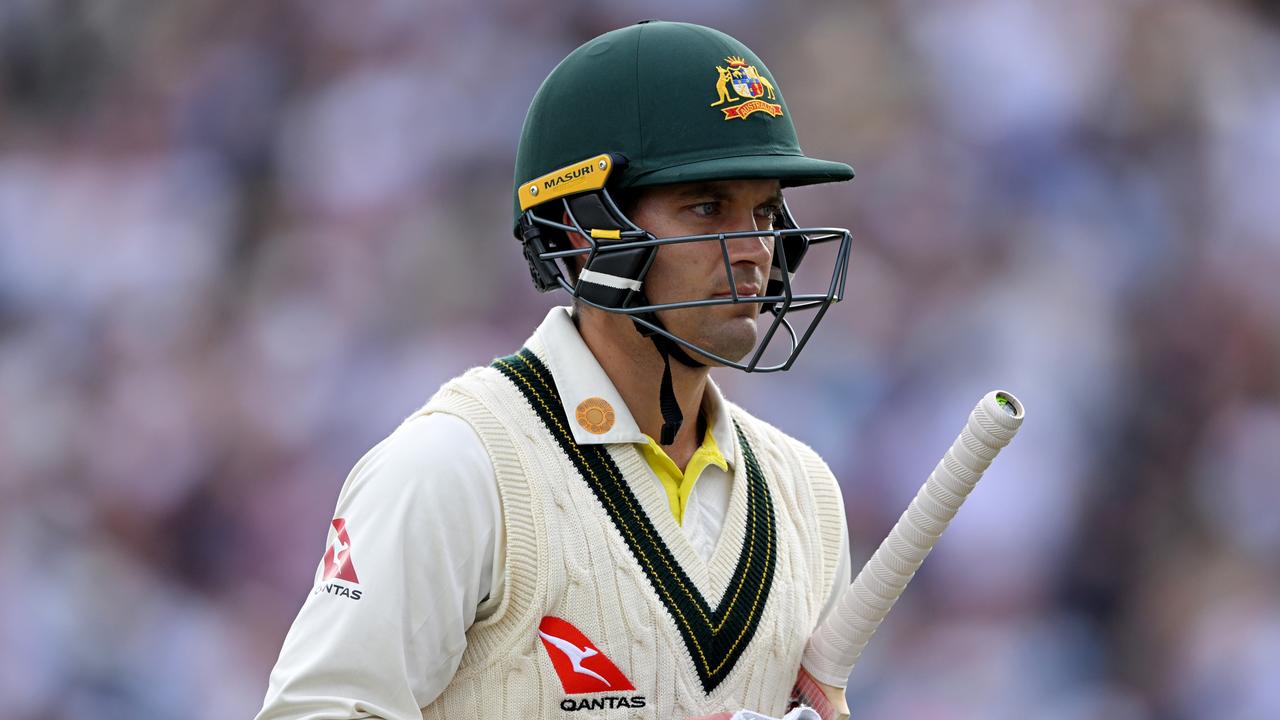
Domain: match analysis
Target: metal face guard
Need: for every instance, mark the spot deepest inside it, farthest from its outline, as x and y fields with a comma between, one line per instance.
x=619, y=255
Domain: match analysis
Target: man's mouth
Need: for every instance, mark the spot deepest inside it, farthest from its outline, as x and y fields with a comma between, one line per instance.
x=747, y=290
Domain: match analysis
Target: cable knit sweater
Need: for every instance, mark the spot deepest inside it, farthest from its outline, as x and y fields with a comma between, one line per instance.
x=607, y=610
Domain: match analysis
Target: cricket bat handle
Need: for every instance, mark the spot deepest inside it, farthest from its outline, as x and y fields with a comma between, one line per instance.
x=836, y=644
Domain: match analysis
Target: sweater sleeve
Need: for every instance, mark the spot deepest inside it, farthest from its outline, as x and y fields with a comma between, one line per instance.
x=410, y=556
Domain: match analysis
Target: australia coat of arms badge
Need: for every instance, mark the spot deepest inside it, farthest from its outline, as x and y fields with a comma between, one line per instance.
x=742, y=82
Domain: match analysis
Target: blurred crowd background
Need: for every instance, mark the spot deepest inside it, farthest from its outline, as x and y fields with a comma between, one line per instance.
x=239, y=241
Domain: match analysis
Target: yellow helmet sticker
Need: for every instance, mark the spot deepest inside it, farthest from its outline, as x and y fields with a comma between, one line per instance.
x=589, y=174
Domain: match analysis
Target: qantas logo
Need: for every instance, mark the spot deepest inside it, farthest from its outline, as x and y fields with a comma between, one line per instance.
x=579, y=663
x=582, y=668
x=576, y=655
x=338, y=565
x=337, y=559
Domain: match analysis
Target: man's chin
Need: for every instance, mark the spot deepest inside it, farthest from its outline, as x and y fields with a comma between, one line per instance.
x=735, y=341
x=730, y=336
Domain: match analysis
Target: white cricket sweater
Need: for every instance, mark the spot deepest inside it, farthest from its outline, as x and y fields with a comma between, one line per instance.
x=608, y=610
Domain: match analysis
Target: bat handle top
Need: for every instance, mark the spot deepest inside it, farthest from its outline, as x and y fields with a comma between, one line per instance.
x=1009, y=404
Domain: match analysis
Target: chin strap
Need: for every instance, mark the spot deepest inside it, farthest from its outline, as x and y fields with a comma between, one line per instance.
x=672, y=417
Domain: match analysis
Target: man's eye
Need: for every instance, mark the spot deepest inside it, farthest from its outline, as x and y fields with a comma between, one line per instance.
x=706, y=209
x=772, y=213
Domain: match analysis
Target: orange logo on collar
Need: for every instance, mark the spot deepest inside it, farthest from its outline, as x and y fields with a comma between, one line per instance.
x=741, y=81
x=595, y=415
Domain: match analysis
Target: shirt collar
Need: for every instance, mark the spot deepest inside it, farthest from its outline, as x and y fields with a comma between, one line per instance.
x=589, y=396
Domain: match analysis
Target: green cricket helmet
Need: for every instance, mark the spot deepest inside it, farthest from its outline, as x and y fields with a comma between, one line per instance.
x=654, y=104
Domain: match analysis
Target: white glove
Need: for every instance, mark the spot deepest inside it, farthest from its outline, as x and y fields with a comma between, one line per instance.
x=800, y=713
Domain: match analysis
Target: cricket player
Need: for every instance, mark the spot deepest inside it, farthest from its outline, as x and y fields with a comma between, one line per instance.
x=588, y=527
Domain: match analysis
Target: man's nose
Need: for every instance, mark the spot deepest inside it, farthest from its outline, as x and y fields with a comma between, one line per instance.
x=756, y=250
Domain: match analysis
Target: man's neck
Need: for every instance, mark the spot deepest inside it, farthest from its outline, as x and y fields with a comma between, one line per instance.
x=635, y=367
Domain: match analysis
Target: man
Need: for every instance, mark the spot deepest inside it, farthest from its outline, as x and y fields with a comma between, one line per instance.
x=586, y=525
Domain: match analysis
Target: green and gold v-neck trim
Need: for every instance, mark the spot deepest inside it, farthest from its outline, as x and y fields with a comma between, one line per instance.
x=714, y=637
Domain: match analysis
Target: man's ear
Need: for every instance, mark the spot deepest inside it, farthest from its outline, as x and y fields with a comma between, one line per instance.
x=574, y=263
x=575, y=239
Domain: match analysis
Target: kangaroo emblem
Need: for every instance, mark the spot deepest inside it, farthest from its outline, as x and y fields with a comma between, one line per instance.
x=722, y=86
x=575, y=654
